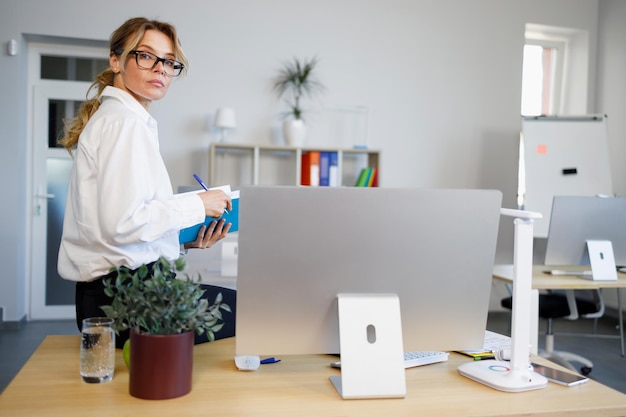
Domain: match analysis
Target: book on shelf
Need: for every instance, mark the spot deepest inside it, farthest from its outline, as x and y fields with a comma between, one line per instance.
x=324, y=169
x=368, y=177
x=310, y=171
x=333, y=169
x=372, y=181
x=189, y=234
x=362, y=178
x=328, y=169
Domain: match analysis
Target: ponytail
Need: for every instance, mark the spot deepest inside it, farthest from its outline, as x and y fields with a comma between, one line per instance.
x=75, y=125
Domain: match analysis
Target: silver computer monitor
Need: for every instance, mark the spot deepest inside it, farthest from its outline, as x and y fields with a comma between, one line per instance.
x=301, y=246
x=575, y=219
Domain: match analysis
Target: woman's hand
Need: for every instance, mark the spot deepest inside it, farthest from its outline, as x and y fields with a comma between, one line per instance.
x=215, y=202
x=208, y=236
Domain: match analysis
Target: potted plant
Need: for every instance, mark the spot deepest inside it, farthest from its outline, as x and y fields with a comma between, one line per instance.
x=162, y=313
x=296, y=78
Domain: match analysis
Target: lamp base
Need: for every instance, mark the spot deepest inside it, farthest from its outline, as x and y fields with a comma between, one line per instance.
x=498, y=375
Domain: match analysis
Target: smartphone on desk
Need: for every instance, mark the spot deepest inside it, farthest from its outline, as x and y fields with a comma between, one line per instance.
x=558, y=376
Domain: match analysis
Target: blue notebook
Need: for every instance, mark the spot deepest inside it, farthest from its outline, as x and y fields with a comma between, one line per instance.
x=189, y=234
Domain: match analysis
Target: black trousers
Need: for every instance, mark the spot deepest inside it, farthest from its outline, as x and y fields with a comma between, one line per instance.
x=90, y=297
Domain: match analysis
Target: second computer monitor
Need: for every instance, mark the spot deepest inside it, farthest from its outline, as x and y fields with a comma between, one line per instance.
x=301, y=246
x=575, y=219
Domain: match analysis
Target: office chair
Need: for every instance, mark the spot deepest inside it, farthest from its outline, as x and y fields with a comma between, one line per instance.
x=230, y=298
x=568, y=305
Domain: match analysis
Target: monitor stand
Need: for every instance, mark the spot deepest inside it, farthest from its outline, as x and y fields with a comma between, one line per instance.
x=372, y=353
x=602, y=260
x=516, y=375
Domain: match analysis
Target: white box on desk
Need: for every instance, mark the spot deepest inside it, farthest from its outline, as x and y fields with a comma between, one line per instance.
x=229, y=258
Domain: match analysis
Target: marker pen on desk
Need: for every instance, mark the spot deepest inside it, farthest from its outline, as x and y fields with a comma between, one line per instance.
x=203, y=185
x=269, y=360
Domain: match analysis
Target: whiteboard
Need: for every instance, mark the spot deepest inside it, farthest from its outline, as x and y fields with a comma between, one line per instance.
x=562, y=156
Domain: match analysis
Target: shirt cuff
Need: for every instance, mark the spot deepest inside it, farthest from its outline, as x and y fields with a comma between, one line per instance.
x=190, y=208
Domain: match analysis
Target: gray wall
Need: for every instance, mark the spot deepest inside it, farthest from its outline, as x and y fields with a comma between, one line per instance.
x=442, y=80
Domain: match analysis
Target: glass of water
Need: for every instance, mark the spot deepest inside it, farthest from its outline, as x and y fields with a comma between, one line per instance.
x=97, y=350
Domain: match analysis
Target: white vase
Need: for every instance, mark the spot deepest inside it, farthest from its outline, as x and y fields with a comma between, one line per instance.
x=295, y=132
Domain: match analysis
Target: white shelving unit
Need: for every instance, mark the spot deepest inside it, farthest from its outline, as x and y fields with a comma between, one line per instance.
x=241, y=164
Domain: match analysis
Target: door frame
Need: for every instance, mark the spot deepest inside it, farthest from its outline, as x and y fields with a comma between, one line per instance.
x=40, y=91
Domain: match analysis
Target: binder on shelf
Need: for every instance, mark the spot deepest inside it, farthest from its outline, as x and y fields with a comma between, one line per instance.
x=324, y=169
x=368, y=177
x=310, y=173
x=372, y=177
x=189, y=234
x=364, y=177
x=361, y=180
x=333, y=169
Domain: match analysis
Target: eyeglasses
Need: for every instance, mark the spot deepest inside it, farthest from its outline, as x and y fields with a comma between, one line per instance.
x=147, y=60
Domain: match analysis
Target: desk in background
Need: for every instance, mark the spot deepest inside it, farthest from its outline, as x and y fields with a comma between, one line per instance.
x=543, y=281
x=49, y=384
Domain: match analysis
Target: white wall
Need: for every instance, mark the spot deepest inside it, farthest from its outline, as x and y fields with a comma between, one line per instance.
x=610, y=84
x=442, y=80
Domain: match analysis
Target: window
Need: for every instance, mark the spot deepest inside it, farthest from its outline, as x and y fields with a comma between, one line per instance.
x=58, y=112
x=541, y=79
x=71, y=68
x=66, y=68
x=555, y=71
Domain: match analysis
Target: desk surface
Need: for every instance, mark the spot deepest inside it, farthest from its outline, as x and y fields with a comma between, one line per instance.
x=543, y=281
x=50, y=385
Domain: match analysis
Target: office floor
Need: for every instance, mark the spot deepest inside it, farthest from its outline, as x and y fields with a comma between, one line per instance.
x=16, y=346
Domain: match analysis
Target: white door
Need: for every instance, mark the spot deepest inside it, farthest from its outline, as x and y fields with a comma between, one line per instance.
x=51, y=101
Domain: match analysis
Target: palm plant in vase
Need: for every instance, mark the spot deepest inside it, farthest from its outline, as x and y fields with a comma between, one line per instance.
x=297, y=79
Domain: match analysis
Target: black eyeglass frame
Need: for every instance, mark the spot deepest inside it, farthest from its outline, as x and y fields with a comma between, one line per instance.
x=177, y=66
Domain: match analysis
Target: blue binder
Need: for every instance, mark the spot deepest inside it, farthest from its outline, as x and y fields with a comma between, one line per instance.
x=189, y=234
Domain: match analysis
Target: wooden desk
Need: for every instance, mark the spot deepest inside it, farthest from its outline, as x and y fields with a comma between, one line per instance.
x=543, y=281
x=50, y=385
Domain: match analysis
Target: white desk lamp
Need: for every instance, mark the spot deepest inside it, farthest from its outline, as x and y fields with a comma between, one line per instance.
x=516, y=375
x=224, y=120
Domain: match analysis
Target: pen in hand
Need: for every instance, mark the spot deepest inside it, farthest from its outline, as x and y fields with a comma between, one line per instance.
x=203, y=185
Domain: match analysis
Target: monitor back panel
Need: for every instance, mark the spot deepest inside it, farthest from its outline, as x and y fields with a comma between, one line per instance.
x=575, y=219
x=301, y=246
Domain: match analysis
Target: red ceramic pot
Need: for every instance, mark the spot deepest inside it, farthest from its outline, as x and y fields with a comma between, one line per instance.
x=160, y=365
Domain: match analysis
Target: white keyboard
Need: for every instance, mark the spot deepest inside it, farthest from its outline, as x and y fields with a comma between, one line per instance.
x=419, y=358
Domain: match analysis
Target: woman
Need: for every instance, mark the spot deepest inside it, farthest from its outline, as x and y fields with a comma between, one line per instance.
x=120, y=208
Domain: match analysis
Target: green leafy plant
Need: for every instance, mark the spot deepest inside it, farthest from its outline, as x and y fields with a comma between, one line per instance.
x=296, y=77
x=153, y=300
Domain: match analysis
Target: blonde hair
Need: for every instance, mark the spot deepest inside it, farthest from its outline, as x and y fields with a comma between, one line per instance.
x=122, y=41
